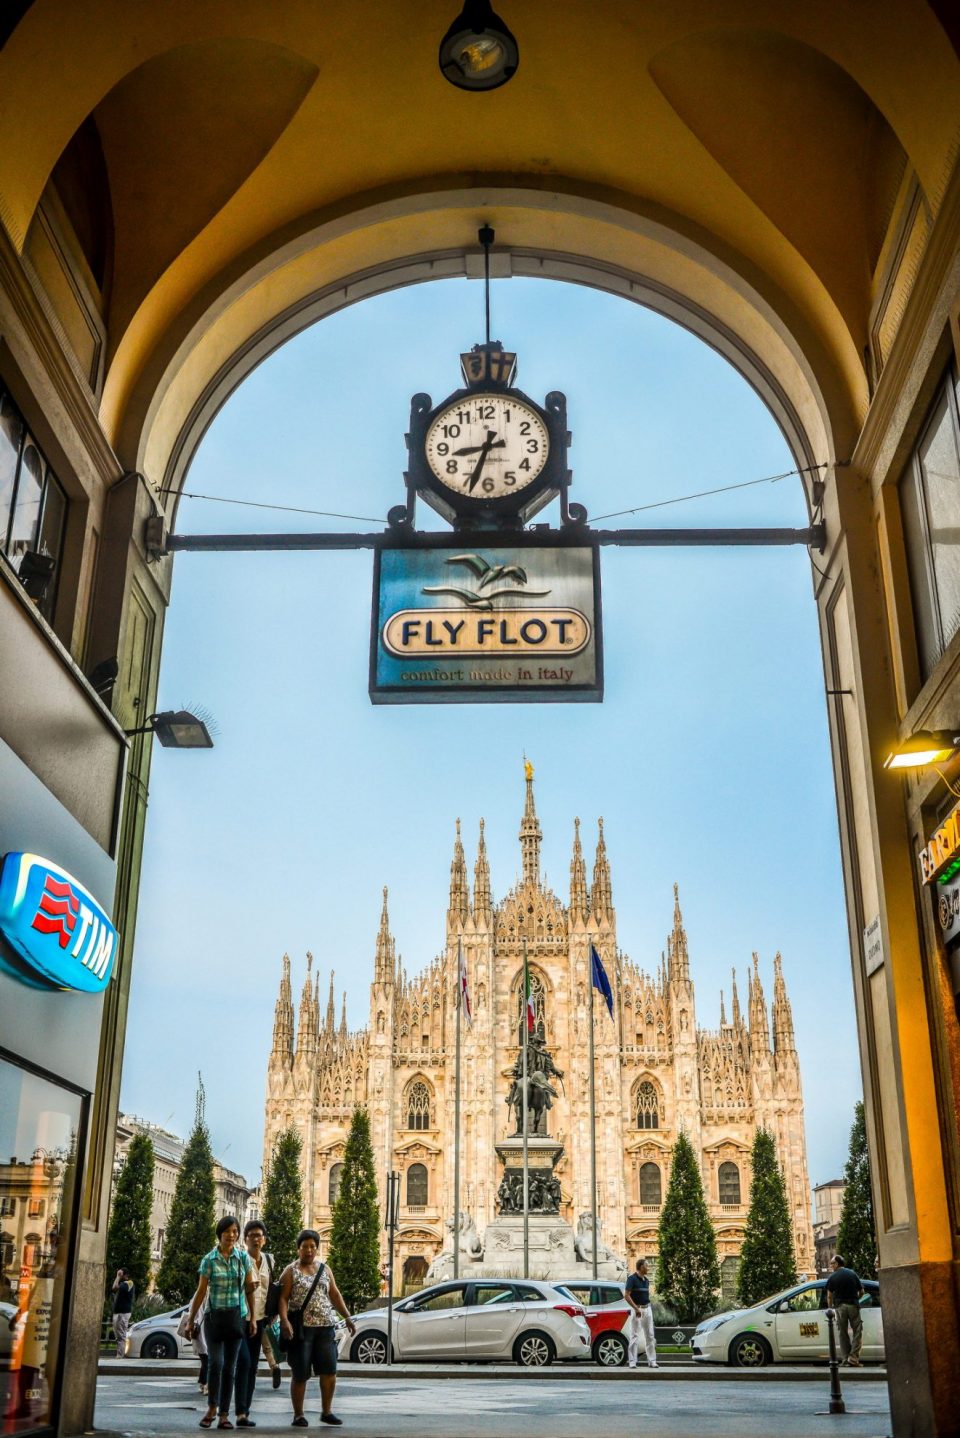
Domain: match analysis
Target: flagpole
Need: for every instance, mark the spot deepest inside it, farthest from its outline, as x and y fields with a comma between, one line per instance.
x=456, y=1121
x=526, y=1125
x=593, y=1126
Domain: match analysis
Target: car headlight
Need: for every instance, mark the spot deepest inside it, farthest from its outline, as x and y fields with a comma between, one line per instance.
x=708, y=1325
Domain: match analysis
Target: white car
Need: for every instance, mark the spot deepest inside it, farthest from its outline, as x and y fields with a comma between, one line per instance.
x=157, y=1337
x=475, y=1320
x=790, y=1327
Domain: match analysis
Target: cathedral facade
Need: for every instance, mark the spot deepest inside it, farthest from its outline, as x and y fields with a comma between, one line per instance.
x=657, y=1072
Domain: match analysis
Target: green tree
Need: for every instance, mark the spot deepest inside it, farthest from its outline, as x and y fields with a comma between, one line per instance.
x=283, y=1198
x=767, y=1257
x=191, y=1230
x=857, y=1234
x=355, y=1239
x=128, y=1237
x=688, y=1274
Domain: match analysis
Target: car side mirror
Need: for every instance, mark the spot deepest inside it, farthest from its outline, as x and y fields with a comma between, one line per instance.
x=784, y=1306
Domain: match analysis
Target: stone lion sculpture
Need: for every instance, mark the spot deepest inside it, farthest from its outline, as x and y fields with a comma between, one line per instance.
x=470, y=1247
x=583, y=1244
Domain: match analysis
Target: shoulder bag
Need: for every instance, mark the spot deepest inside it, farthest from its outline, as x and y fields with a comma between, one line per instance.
x=223, y=1324
x=295, y=1319
x=271, y=1306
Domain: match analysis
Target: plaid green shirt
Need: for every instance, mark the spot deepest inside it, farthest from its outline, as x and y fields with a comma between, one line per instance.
x=226, y=1278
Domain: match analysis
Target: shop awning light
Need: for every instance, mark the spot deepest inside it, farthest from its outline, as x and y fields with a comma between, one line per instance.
x=478, y=52
x=176, y=729
x=923, y=748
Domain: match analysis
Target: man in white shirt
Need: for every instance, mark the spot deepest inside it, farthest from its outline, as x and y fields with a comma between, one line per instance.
x=254, y=1238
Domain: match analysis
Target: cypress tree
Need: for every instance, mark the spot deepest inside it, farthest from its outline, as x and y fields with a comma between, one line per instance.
x=857, y=1234
x=283, y=1198
x=767, y=1257
x=128, y=1237
x=688, y=1273
x=355, y=1239
x=191, y=1230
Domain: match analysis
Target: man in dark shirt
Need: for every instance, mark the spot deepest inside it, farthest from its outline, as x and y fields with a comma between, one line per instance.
x=641, y=1317
x=122, y=1308
x=843, y=1293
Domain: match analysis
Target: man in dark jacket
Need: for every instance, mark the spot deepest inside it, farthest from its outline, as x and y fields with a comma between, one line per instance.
x=122, y=1308
x=843, y=1293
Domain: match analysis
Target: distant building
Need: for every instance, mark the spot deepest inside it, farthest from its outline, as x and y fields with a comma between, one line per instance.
x=231, y=1189
x=827, y=1205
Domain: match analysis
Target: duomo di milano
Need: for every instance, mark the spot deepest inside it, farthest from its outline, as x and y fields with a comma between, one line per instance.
x=656, y=1071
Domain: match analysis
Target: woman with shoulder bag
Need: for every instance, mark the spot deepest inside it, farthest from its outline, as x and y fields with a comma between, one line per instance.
x=226, y=1282
x=308, y=1297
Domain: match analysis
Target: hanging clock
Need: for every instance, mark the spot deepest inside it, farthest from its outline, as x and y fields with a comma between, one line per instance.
x=488, y=456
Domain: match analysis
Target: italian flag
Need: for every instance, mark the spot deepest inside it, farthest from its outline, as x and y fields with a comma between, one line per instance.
x=528, y=991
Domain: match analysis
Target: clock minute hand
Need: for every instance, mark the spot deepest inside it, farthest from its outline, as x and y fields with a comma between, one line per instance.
x=491, y=442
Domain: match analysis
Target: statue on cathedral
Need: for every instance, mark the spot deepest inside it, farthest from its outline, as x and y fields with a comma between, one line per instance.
x=540, y=1092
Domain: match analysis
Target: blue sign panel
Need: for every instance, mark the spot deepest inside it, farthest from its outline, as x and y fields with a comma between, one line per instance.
x=474, y=622
x=53, y=933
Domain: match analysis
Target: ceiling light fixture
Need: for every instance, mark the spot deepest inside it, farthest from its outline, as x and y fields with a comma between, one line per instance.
x=478, y=52
x=923, y=748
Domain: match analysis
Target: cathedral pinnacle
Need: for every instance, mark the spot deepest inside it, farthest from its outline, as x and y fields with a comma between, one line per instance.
x=482, y=897
x=459, y=890
x=759, y=1023
x=723, y=1011
x=384, y=963
x=530, y=833
x=307, y=1027
x=579, y=898
x=328, y=1026
x=679, y=960
x=601, y=894
x=783, y=1039
x=283, y=1017
x=343, y=1017
x=735, y=1003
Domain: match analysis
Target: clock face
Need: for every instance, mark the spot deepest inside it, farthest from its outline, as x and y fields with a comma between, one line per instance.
x=487, y=446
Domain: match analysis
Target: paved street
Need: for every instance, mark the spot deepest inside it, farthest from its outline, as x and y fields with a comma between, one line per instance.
x=508, y=1408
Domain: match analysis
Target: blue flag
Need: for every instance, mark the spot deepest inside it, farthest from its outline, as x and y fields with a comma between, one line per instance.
x=600, y=980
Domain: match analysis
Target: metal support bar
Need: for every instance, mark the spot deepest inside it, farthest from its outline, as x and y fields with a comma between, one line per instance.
x=538, y=537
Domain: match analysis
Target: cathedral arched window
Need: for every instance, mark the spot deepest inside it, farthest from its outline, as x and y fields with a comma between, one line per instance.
x=539, y=995
x=417, y=1186
x=334, y=1189
x=647, y=1105
x=728, y=1177
x=418, y=1105
x=651, y=1184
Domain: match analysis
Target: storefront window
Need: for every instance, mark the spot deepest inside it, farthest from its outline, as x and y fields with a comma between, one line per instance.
x=930, y=504
x=33, y=505
x=39, y=1133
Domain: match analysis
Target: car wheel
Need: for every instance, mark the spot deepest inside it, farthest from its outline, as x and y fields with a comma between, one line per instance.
x=534, y=1350
x=369, y=1348
x=610, y=1351
x=158, y=1345
x=749, y=1350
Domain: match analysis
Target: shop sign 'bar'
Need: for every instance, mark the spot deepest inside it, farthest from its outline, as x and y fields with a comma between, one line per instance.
x=476, y=624
x=940, y=858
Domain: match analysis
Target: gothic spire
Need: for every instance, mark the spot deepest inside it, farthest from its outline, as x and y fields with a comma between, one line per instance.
x=723, y=1011
x=601, y=894
x=343, y=1017
x=384, y=963
x=328, y=1026
x=783, y=1040
x=579, y=898
x=459, y=890
x=307, y=1026
x=283, y=1016
x=530, y=833
x=759, y=1023
x=679, y=961
x=482, y=897
x=735, y=1004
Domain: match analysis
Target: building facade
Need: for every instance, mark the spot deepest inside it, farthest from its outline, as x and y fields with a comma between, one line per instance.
x=827, y=1207
x=657, y=1072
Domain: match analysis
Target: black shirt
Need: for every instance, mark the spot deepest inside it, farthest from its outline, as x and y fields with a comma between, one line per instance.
x=639, y=1289
x=123, y=1298
x=844, y=1284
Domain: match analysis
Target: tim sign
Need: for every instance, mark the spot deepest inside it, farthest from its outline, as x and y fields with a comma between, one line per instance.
x=53, y=930
x=478, y=623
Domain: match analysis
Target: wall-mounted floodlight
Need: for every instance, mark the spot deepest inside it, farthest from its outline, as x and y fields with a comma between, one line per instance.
x=924, y=748
x=176, y=729
x=478, y=52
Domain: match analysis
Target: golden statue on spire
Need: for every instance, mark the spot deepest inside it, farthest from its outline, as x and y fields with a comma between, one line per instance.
x=527, y=769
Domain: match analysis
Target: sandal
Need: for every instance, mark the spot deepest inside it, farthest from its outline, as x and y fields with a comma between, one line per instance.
x=207, y=1420
x=224, y=1423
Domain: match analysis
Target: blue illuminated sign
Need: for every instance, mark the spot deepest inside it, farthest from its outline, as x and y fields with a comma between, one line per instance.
x=53, y=933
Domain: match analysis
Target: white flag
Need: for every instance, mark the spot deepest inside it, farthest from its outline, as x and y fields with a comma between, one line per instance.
x=464, y=988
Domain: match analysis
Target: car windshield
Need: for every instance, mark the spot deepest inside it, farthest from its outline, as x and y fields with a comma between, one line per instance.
x=794, y=1291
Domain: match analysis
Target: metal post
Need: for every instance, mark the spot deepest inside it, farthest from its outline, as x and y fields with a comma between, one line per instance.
x=393, y=1187
x=593, y=1126
x=526, y=1127
x=837, y=1404
x=456, y=1135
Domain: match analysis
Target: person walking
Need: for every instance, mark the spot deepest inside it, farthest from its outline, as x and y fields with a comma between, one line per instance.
x=254, y=1239
x=308, y=1297
x=123, y=1294
x=641, y=1317
x=843, y=1294
x=226, y=1284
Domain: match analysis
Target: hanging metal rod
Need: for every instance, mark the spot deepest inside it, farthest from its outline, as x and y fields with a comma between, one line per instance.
x=534, y=538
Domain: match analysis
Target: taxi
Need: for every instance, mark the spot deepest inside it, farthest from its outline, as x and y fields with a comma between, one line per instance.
x=790, y=1327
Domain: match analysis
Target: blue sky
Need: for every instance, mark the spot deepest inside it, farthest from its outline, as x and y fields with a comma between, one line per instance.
x=708, y=758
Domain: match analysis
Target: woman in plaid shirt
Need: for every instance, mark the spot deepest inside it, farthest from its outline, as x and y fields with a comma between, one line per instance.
x=226, y=1282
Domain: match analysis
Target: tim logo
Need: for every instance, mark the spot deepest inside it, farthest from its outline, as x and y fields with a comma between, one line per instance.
x=54, y=926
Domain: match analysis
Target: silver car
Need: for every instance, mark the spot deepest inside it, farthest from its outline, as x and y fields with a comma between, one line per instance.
x=475, y=1320
x=157, y=1337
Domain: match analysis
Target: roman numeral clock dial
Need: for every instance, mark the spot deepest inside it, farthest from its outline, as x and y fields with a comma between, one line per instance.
x=487, y=446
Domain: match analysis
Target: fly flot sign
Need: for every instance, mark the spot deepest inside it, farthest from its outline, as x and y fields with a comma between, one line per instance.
x=53, y=933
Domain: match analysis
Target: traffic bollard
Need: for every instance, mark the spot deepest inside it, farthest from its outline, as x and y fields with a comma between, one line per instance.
x=837, y=1404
